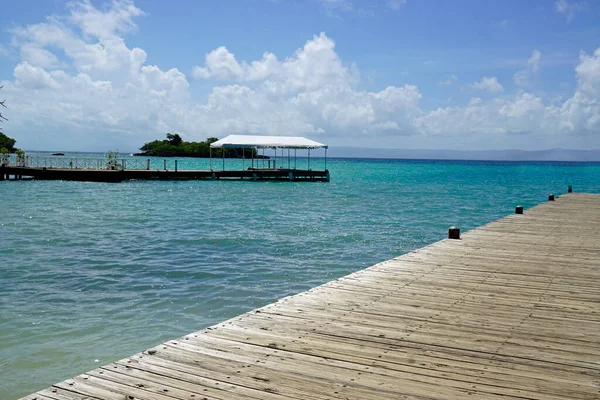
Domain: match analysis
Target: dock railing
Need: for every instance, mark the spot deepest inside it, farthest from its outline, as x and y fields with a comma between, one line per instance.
x=87, y=163
x=133, y=163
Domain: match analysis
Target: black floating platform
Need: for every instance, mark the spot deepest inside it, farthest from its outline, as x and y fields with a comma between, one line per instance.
x=105, y=175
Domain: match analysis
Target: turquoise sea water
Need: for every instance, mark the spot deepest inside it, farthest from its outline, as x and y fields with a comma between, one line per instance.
x=93, y=272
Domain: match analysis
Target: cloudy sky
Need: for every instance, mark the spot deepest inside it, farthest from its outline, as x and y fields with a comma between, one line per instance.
x=465, y=74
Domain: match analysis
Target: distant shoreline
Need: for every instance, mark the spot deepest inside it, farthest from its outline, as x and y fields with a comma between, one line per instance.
x=557, y=154
x=551, y=155
x=187, y=155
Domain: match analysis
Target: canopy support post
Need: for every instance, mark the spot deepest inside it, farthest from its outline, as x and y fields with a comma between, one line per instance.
x=223, y=153
x=210, y=152
x=325, y=158
x=243, y=160
x=295, y=159
x=309, y=159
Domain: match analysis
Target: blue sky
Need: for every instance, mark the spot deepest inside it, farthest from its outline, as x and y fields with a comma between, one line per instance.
x=98, y=75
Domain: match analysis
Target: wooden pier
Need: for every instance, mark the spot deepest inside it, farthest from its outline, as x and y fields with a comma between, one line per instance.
x=509, y=311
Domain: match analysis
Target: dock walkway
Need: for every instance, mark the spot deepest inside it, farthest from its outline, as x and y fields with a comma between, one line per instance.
x=510, y=311
x=137, y=168
x=105, y=175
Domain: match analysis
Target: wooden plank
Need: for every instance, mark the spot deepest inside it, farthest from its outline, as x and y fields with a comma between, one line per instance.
x=512, y=310
x=389, y=363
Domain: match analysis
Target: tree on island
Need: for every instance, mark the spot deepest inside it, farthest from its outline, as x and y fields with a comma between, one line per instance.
x=175, y=146
x=7, y=144
x=174, y=139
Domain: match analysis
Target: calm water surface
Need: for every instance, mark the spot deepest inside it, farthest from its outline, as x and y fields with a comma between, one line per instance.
x=93, y=272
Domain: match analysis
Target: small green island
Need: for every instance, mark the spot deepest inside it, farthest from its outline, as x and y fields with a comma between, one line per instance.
x=7, y=144
x=7, y=147
x=175, y=146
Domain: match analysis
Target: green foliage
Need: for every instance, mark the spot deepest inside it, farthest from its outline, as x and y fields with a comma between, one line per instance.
x=175, y=146
x=4, y=155
x=112, y=160
x=174, y=139
x=20, y=157
x=7, y=143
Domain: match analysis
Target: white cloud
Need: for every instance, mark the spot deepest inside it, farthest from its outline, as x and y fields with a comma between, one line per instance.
x=221, y=64
x=533, y=63
x=32, y=77
x=312, y=66
x=588, y=73
x=525, y=76
x=581, y=113
x=101, y=52
x=570, y=9
x=35, y=55
x=95, y=23
x=526, y=113
x=79, y=83
x=396, y=4
x=488, y=84
x=447, y=82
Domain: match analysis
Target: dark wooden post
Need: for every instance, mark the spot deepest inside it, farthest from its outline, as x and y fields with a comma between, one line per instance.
x=551, y=197
x=519, y=210
x=148, y=164
x=175, y=165
x=165, y=164
x=570, y=189
x=453, y=233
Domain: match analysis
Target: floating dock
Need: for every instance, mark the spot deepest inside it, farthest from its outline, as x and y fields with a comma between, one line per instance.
x=511, y=310
x=106, y=175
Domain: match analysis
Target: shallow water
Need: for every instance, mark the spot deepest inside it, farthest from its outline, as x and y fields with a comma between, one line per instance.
x=93, y=272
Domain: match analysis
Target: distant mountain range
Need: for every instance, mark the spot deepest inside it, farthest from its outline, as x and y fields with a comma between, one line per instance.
x=492, y=155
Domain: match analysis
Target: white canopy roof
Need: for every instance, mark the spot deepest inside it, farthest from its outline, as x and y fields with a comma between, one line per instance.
x=282, y=142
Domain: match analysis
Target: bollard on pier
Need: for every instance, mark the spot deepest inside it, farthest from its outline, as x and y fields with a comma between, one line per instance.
x=453, y=232
x=519, y=210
